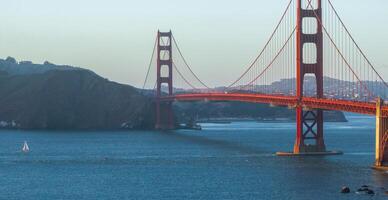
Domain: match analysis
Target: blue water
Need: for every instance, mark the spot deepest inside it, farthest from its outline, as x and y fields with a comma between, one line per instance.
x=224, y=161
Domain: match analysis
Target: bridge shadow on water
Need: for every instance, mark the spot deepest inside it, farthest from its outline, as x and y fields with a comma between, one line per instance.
x=305, y=164
x=214, y=143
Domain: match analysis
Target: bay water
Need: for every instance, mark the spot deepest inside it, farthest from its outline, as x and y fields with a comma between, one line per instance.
x=223, y=161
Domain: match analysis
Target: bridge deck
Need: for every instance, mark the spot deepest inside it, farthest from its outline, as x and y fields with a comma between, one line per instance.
x=367, y=108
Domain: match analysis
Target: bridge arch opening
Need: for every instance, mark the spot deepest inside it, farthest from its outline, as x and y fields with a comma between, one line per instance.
x=310, y=86
x=164, y=88
x=164, y=40
x=164, y=55
x=310, y=25
x=309, y=53
x=164, y=71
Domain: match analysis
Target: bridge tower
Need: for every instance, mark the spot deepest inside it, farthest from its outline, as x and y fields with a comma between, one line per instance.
x=381, y=136
x=309, y=135
x=164, y=112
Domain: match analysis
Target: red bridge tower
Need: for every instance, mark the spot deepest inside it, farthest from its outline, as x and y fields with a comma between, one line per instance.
x=309, y=128
x=164, y=112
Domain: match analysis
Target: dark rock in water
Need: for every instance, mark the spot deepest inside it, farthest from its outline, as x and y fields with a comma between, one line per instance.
x=365, y=190
x=345, y=190
x=362, y=189
x=370, y=192
x=11, y=60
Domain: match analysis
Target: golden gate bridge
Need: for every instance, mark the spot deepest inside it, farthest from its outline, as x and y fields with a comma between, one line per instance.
x=311, y=48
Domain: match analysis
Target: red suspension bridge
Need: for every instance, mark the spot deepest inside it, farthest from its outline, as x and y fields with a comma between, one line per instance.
x=310, y=63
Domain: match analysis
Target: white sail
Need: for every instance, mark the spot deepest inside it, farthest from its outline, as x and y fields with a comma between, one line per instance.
x=25, y=148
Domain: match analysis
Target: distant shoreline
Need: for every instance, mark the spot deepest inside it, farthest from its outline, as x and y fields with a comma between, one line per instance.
x=201, y=121
x=276, y=120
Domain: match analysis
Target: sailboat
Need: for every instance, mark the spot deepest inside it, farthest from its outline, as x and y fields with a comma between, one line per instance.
x=25, y=148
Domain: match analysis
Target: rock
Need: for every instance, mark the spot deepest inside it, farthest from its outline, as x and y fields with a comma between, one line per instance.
x=11, y=60
x=365, y=190
x=47, y=63
x=345, y=190
x=371, y=192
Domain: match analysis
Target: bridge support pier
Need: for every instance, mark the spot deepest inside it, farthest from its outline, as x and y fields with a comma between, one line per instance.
x=309, y=135
x=164, y=116
x=381, y=137
x=309, y=128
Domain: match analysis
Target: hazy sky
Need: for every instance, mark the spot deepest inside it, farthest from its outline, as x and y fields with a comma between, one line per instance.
x=115, y=37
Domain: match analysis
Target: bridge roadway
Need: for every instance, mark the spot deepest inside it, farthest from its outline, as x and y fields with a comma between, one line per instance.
x=367, y=108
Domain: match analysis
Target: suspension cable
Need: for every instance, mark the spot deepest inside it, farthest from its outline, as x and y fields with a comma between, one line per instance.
x=273, y=60
x=336, y=47
x=265, y=46
x=358, y=47
x=150, y=63
x=181, y=75
x=187, y=65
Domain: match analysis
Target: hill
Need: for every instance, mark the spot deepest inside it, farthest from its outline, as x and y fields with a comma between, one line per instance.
x=12, y=67
x=71, y=99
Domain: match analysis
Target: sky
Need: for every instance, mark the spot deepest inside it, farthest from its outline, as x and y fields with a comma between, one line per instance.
x=115, y=38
